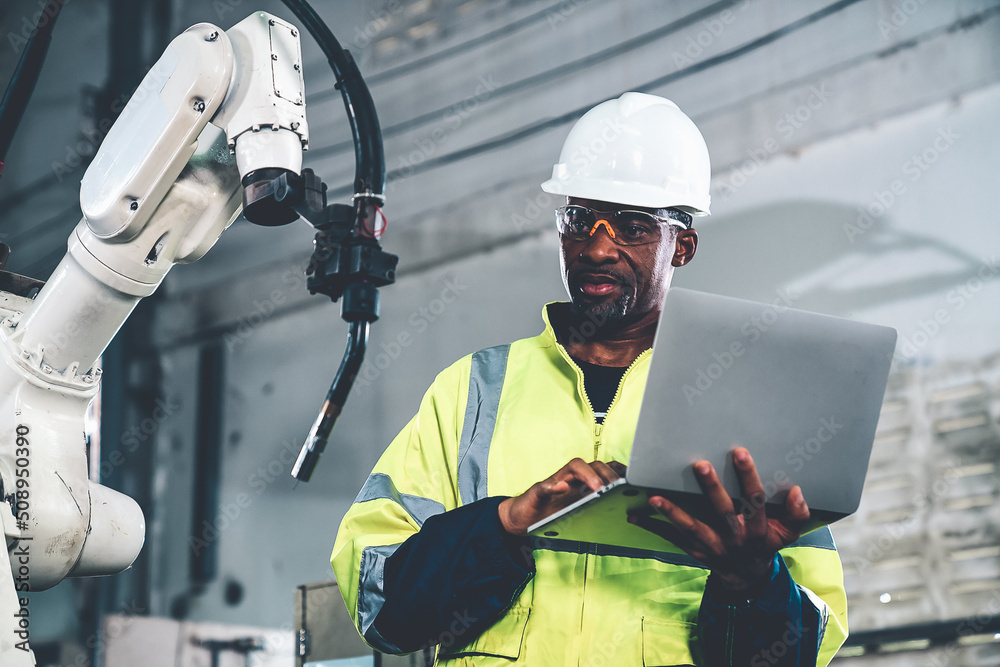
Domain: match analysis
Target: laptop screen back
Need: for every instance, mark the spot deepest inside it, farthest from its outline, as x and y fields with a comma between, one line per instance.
x=801, y=391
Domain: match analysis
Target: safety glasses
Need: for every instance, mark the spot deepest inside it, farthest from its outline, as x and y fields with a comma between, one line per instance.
x=625, y=227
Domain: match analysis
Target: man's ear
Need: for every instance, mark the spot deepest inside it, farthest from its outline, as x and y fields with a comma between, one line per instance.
x=687, y=244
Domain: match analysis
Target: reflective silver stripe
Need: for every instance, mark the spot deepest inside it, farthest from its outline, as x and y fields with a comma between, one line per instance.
x=379, y=485
x=821, y=607
x=572, y=546
x=485, y=384
x=371, y=595
x=821, y=538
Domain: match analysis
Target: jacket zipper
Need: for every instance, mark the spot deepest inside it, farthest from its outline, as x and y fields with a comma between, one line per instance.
x=614, y=401
x=598, y=430
x=618, y=393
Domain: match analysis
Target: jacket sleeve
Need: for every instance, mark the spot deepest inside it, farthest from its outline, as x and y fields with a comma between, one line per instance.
x=456, y=576
x=407, y=554
x=798, y=620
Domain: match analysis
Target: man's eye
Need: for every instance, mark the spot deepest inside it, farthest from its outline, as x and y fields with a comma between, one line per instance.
x=577, y=225
x=636, y=231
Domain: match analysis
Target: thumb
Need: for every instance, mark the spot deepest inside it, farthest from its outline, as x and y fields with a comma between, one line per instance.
x=795, y=505
x=552, y=488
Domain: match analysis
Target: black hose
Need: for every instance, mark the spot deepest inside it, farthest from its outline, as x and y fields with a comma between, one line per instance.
x=357, y=343
x=22, y=84
x=369, y=170
x=360, y=304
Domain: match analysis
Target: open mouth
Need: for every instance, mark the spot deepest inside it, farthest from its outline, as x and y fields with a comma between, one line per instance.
x=597, y=284
x=597, y=289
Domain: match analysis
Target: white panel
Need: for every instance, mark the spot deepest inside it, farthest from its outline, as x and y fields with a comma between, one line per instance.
x=163, y=642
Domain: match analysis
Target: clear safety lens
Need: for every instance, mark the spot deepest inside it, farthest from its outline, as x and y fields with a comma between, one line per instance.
x=625, y=227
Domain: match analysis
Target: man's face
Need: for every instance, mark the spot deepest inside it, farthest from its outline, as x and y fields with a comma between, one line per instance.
x=610, y=283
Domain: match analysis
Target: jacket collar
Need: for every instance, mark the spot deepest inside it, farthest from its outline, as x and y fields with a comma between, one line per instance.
x=549, y=334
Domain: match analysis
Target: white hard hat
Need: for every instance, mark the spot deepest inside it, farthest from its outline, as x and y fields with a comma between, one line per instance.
x=638, y=149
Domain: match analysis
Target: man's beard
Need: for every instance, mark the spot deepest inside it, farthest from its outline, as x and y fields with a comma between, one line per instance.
x=601, y=313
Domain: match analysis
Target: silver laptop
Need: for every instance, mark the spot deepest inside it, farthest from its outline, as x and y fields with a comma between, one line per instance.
x=801, y=391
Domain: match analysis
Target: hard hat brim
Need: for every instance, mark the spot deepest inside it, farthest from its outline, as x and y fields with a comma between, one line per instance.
x=630, y=194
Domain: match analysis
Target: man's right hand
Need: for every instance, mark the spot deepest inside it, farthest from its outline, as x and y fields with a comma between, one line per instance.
x=574, y=480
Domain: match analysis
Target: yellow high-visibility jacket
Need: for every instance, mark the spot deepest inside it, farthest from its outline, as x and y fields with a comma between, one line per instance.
x=493, y=424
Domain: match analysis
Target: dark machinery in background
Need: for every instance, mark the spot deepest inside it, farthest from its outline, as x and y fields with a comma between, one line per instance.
x=159, y=192
x=347, y=260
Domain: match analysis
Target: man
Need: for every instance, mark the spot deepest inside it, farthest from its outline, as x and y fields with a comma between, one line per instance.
x=434, y=552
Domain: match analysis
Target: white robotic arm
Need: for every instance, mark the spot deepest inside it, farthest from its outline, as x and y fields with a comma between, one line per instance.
x=217, y=108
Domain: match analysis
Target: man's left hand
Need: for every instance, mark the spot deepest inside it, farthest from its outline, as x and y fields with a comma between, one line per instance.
x=739, y=547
